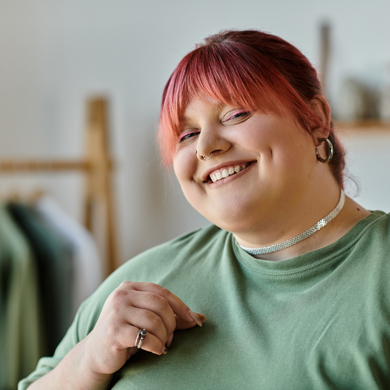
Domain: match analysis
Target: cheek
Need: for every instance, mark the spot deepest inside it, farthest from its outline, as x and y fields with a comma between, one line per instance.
x=184, y=166
x=254, y=138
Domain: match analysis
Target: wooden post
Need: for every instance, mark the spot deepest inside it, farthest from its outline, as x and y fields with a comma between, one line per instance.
x=99, y=190
x=324, y=54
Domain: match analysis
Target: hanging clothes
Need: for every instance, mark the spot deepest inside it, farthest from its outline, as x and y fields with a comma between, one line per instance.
x=49, y=264
x=21, y=339
x=53, y=259
x=88, y=270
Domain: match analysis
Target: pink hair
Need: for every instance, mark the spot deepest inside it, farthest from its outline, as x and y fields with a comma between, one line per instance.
x=251, y=69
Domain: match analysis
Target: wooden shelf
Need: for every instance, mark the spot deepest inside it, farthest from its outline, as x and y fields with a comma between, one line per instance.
x=363, y=127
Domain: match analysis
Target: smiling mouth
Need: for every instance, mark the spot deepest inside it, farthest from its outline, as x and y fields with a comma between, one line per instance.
x=227, y=171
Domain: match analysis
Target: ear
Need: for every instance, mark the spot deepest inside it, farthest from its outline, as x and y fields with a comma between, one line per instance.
x=321, y=109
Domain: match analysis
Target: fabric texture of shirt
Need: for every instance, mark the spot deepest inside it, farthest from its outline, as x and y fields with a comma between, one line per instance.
x=317, y=321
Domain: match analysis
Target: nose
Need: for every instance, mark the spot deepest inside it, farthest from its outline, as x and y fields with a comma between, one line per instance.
x=210, y=143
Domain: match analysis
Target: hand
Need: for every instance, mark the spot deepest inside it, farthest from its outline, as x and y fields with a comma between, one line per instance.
x=129, y=308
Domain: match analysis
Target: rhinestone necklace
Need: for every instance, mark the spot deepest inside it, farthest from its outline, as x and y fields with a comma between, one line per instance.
x=285, y=244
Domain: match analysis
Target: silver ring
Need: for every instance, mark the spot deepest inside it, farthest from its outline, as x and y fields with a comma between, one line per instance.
x=330, y=147
x=204, y=157
x=140, y=338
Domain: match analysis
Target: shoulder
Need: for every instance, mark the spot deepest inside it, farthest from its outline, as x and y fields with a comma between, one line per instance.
x=376, y=225
x=370, y=238
x=170, y=254
x=153, y=266
x=368, y=253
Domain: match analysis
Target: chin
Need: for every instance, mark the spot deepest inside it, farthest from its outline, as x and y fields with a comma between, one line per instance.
x=232, y=220
x=235, y=227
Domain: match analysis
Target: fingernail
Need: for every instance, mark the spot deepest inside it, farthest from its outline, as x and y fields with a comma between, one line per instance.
x=195, y=317
x=164, y=351
x=169, y=341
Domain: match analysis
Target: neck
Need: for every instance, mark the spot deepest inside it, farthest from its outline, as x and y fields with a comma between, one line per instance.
x=306, y=218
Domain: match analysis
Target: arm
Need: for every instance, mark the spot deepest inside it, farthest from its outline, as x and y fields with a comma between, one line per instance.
x=73, y=372
x=91, y=363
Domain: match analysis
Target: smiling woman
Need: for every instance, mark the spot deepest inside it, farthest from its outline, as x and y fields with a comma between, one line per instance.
x=292, y=274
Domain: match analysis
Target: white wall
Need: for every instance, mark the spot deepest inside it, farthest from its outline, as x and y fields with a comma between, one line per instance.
x=54, y=54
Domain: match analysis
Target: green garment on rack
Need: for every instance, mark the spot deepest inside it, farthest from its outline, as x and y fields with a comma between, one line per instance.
x=53, y=259
x=20, y=327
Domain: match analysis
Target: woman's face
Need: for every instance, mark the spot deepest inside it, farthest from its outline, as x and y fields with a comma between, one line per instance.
x=265, y=163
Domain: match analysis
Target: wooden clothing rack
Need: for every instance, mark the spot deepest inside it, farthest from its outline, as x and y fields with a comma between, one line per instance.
x=97, y=166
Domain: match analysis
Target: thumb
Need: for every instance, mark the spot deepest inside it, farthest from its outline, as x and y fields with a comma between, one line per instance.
x=198, y=319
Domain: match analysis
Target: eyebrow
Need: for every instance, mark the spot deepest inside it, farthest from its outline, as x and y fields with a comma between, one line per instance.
x=183, y=120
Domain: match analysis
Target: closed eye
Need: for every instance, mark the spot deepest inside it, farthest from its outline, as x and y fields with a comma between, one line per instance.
x=188, y=135
x=237, y=115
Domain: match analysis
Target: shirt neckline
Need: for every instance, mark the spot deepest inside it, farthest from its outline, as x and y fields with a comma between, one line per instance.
x=311, y=260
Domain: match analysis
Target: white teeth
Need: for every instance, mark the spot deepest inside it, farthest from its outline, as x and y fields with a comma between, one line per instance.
x=218, y=175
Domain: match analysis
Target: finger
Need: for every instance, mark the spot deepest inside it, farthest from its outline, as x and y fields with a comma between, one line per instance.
x=127, y=335
x=146, y=319
x=181, y=324
x=156, y=304
x=178, y=306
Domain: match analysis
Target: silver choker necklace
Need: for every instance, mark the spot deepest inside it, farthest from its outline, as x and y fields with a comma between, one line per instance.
x=285, y=244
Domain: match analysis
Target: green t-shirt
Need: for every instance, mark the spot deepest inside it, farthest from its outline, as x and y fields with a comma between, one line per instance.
x=317, y=321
